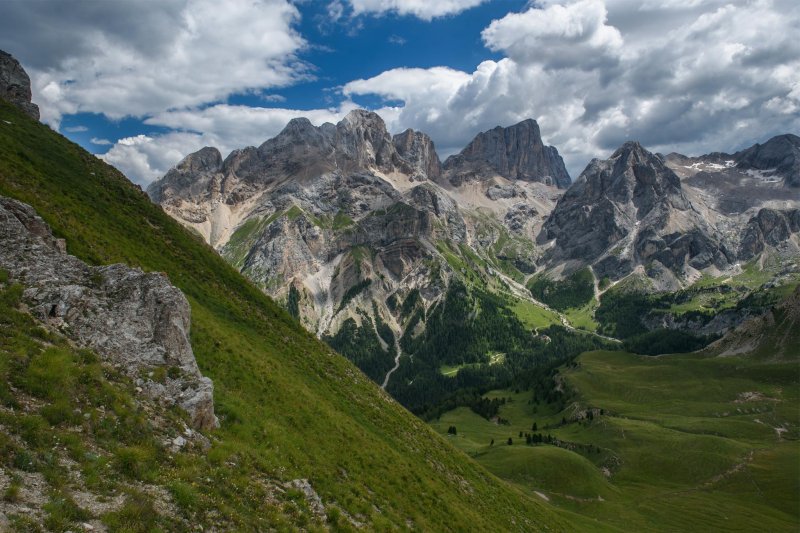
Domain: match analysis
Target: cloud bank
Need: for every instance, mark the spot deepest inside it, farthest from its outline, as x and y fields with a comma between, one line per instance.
x=673, y=74
x=683, y=75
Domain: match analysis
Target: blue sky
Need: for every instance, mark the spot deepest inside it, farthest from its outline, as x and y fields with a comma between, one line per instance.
x=144, y=83
x=338, y=52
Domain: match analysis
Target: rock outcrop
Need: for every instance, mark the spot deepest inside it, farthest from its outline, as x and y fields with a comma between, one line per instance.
x=418, y=149
x=136, y=321
x=15, y=85
x=770, y=227
x=300, y=152
x=779, y=156
x=774, y=335
x=630, y=210
x=515, y=153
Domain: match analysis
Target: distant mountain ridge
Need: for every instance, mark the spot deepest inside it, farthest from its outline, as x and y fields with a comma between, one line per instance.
x=346, y=221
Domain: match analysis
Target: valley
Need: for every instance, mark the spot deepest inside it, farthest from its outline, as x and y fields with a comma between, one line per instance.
x=703, y=441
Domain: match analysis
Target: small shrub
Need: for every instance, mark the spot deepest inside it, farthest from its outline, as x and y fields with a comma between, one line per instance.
x=62, y=511
x=185, y=495
x=137, y=515
x=24, y=524
x=135, y=462
x=59, y=412
x=11, y=494
x=174, y=372
x=34, y=430
x=159, y=374
x=49, y=374
x=24, y=461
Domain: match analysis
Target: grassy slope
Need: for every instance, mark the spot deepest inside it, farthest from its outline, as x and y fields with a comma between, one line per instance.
x=289, y=406
x=683, y=451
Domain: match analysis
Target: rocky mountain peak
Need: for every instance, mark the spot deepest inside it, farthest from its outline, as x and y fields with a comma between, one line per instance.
x=628, y=210
x=362, y=142
x=363, y=118
x=190, y=177
x=418, y=149
x=204, y=160
x=15, y=85
x=516, y=152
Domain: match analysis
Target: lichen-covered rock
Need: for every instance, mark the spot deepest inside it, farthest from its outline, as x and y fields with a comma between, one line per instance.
x=15, y=85
x=136, y=321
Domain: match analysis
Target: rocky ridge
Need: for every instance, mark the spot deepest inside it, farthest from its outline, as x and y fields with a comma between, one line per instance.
x=327, y=209
x=138, y=321
x=516, y=152
x=15, y=85
x=631, y=210
x=343, y=221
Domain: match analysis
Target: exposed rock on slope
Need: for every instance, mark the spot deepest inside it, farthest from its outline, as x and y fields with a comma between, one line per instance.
x=775, y=334
x=771, y=227
x=346, y=216
x=137, y=320
x=779, y=156
x=764, y=175
x=516, y=153
x=630, y=210
x=15, y=85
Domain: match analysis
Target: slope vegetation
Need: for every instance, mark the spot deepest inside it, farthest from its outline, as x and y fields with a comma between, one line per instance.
x=289, y=407
x=706, y=441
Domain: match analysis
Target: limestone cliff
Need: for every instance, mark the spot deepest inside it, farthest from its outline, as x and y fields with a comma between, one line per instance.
x=137, y=321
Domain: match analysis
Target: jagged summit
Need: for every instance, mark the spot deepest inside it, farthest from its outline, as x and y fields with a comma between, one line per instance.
x=418, y=149
x=516, y=152
x=778, y=156
x=631, y=210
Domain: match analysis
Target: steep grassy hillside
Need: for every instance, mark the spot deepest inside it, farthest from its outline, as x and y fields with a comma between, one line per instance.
x=689, y=442
x=289, y=407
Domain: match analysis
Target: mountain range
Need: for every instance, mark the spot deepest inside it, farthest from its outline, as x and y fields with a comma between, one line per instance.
x=347, y=224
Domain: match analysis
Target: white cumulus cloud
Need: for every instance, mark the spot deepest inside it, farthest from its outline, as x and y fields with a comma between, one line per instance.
x=128, y=58
x=674, y=74
x=423, y=9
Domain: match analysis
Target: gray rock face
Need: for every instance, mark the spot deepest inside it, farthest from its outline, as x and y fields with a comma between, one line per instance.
x=137, y=321
x=300, y=152
x=770, y=227
x=333, y=209
x=516, y=152
x=778, y=156
x=628, y=210
x=194, y=174
x=417, y=148
x=15, y=85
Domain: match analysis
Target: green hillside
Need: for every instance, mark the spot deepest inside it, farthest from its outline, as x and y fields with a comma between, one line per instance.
x=706, y=441
x=289, y=406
